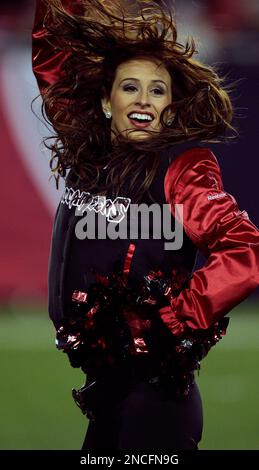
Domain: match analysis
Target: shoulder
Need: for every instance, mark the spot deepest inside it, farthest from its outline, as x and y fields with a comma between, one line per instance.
x=189, y=164
x=193, y=158
x=72, y=179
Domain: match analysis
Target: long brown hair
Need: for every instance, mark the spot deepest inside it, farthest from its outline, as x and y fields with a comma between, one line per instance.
x=98, y=36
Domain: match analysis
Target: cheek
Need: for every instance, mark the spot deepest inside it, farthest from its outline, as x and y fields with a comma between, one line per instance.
x=167, y=101
x=116, y=103
x=120, y=104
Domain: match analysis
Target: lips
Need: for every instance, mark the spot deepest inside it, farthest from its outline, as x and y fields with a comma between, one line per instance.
x=140, y=125
x=140, y=120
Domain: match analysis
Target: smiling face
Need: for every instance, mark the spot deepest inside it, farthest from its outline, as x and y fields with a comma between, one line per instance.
x=141, y=90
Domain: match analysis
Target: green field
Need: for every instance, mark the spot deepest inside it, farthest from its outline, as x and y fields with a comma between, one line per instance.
x=37, y=411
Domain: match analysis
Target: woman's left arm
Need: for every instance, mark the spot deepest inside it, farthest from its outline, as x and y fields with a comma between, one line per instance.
x=213, y=221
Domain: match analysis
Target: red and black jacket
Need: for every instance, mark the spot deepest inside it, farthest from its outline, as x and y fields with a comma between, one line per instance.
x=212, y=222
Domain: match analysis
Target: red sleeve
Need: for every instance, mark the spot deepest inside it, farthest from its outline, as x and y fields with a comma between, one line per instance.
x=46, y=61
x=230, y=241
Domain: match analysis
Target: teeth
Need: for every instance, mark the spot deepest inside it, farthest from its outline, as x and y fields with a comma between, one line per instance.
x=141, y=117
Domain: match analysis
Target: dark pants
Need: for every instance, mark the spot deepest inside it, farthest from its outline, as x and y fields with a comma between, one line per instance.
x=148, y=418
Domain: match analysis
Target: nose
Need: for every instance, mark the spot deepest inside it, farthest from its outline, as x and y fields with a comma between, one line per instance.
x=143, y=98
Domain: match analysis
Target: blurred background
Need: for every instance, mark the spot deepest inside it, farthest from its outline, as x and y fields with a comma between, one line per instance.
x=36, y=408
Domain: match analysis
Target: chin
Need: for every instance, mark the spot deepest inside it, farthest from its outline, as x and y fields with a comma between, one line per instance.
x=140, y=134
x=134, y=134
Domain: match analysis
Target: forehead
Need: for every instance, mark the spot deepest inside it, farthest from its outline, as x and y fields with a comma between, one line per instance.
x=140, y=68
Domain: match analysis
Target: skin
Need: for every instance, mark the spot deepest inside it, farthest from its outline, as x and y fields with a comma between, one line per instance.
x=142, y=86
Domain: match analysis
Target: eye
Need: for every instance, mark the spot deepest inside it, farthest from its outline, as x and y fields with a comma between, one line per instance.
x=130, y=88
x=158, y=91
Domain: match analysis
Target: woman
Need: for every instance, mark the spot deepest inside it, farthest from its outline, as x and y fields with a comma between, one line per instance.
x=134, y=113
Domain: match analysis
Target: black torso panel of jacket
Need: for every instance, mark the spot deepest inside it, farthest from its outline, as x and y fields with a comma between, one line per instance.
x=73, y=261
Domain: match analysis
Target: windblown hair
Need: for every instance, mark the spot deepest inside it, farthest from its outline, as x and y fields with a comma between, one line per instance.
x=98, y=36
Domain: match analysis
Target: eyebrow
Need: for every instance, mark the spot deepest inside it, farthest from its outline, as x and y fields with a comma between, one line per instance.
x=137, y=80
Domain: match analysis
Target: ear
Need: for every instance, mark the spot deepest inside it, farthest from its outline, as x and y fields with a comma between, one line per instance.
x=106, y=104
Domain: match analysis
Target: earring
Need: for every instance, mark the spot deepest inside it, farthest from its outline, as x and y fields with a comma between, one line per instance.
x=169, y=121
x=108, y=114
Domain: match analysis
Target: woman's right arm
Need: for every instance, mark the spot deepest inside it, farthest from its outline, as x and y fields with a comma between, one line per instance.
x=47, y=62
